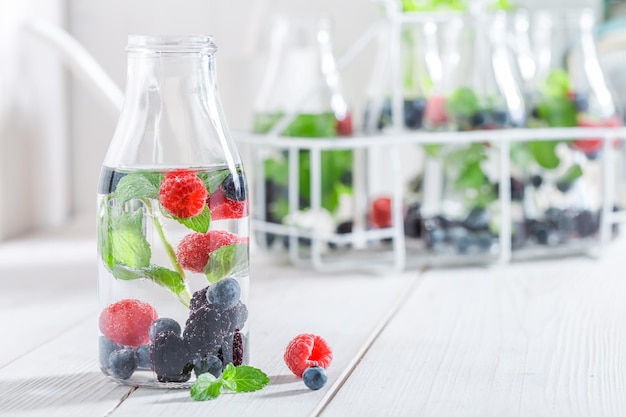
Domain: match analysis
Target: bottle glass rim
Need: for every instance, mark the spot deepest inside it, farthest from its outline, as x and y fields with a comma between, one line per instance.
x=174, y=44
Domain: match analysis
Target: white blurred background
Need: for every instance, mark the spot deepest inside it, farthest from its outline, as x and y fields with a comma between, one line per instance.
x=54, y=130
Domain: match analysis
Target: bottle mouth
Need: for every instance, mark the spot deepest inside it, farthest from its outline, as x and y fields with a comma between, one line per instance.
x=171, y=44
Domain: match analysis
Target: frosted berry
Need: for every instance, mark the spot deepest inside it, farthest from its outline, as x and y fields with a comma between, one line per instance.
x=194, y=250
x=163, y=324
x=198, y=299
x=143, y=356
x=224, y=294
x=106, y=347
x=223, y=208
x=306, y=350
x=235, y=189
x=236, y=315
x=205, y=331
x=210, y=364
x=314, y=377
x=126, y=322
x=183, y=194
x=171, y=361
x=123, y=363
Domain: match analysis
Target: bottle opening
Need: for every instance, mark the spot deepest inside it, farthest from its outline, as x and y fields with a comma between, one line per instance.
x=171, y=44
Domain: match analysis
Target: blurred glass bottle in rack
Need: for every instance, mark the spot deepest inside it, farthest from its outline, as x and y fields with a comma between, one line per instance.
x=301, y=96
x=563, y=178
x=477, y=90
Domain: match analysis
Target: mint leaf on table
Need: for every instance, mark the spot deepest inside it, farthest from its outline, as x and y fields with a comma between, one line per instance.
x=234, y=378
x=206, y=387
x=199, y=223
x=246, y=378
x=229, y=260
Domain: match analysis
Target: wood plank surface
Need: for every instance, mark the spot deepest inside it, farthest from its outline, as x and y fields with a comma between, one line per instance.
x=48, y=366
x=342, y=308
x=528, y=339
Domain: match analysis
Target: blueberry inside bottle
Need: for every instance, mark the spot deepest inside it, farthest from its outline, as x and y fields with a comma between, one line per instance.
x=172, y=223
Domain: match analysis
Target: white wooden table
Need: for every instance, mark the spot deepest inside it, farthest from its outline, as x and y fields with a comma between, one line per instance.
x=528, y=339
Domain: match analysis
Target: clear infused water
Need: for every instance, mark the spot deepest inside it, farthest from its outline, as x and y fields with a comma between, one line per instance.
x=173, y=249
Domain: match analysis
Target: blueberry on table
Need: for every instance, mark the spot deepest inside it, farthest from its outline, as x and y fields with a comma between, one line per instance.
x=123, y=363
x=314, y=377
x=163, y=324
x=224, y=294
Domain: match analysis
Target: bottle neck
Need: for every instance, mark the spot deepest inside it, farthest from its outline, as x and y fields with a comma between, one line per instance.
x=162, y=82
x=172, y=114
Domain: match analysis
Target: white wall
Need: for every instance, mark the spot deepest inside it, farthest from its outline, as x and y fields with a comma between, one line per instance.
x=36, y=141
x=239, y=28
x=34, y=192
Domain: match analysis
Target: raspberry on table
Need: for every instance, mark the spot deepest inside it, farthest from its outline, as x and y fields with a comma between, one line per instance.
x=306, y=350
x=127, y=322
x=183, y=194
x=194, y=250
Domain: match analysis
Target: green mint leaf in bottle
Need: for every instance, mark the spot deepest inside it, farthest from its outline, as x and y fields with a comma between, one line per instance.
x=128, y=244
x=544, y=152
x=137, y=186
x=212, y=180
x=462, y=102
x=199, y=223
x=229, y=260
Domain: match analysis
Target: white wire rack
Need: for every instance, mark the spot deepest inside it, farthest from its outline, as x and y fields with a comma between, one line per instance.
x=358, y=252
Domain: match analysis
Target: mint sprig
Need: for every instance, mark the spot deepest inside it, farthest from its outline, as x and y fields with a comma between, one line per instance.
x=242, y=378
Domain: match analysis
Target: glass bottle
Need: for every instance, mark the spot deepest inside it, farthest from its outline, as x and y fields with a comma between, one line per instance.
x=563, y=178
x=172, y=223
x=458, y=219
x=301, y=96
